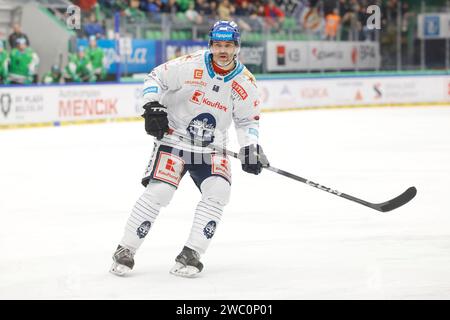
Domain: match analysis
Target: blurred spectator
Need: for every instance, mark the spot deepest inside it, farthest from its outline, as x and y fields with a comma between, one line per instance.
x=110, y=6
x=24, y=63
x=183, y=4
x=288, y=6
x=390, y=11
x=152, y=6
x=93, y=27
x=351, y=22
x=255, y=19
x=298, y=10
x=85, y=5
x=16, y=34
x=177, y=54
x=312, y=21
x=332, y=23
x=407, y=17
x=366, y=33
x=225, y=10
x=202, y=7
x=192, y=15
x=52, y=76
x=97, y=58
x=170, y=6
x=133, y=13
x=4, y=64
x=344, y=7
x=212, y=15
x=79, y=68
x=273, y=15
x=243, y=9
x=243, y=13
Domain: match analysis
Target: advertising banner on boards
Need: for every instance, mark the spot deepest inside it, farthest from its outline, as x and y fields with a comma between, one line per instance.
x=321, y=55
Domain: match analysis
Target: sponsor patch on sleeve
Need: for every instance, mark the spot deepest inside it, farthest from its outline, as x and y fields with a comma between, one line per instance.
x=239, y=90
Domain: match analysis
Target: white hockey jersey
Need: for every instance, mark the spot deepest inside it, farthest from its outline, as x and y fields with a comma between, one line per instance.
x=202, y=104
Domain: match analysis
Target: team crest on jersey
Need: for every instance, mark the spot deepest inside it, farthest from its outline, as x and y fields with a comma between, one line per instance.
x=209, y=229
x=202, y=127
x=143, y=229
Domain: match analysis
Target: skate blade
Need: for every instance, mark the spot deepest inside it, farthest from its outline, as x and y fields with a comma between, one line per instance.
x=184, y=271
x=119, y=269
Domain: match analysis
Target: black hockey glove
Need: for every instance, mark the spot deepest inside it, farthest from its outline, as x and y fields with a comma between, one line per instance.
x=253, y=159
x=156, y=122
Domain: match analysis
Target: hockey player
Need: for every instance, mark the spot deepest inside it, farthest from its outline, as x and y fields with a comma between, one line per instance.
x=196, y=96
x=79, y=68
x=97, y=58
x=24, y=63
x=53, y=76
x=4, y=64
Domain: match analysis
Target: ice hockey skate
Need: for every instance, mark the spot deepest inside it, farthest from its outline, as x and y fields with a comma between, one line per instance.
x=123, y=261
x=187, y=264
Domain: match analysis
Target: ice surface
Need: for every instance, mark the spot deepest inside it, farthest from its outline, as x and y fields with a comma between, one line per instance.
x=66, y=194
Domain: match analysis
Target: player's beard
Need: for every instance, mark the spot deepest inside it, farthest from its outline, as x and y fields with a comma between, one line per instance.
x=225, y=64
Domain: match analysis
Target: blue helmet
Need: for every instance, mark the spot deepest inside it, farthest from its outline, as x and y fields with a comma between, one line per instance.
x=225, y=31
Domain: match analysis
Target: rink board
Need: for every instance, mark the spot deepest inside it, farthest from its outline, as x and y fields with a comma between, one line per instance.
x=56, y=105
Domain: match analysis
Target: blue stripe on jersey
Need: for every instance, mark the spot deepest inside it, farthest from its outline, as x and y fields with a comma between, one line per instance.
x=152, y=89
x=253, y=131
x=212, y=74
x=209, y=64
x=236, y=71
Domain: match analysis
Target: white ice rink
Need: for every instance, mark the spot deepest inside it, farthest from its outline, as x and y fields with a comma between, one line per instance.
x=66, y=194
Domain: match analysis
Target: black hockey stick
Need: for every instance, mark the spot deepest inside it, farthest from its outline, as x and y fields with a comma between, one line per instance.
x=389, y=205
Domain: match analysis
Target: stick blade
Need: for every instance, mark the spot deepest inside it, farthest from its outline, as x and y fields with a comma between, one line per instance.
x=399, y=201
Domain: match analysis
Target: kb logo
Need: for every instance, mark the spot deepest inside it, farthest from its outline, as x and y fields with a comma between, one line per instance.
x=73, y=17
x=374, y=21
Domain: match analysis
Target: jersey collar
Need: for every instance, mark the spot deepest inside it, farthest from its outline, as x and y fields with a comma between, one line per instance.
x=238, y=69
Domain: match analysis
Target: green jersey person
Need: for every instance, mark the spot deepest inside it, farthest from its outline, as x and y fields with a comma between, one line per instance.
x=53, y=76
x=4, y=64
x=23, y=63
x=79, y=68
x=133, y=13
x=97, y=57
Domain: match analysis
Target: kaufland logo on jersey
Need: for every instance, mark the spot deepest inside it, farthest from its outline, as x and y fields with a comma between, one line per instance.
x=199, y=98
x=215, y=104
